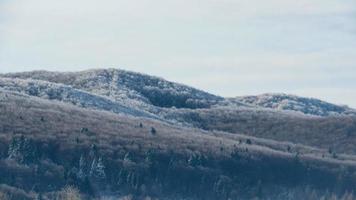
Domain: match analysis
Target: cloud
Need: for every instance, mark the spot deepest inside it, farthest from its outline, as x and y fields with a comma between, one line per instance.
x=228, y=47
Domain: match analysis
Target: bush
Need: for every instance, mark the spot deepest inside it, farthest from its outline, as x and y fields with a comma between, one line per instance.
x=248, y=141
x=4, y=196
x=69, y=193
x=153, y=131
x=84, y=130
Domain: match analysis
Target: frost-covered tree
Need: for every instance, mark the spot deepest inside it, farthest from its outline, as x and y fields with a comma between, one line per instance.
x=196, y=160
x=23, y=150
x=128, y=157
x=15, y=148
x=100, y=169
x=30, y=151
x=221, y=186
x=133, y=179
x=149, y=156
x=93, y=151
x=97, y=169
x=82, y=173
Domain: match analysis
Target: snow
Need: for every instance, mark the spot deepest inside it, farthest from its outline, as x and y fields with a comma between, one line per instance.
x=284, y=102
x=142, y=95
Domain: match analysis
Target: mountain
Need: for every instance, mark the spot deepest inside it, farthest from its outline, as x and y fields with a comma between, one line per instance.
x=309, y=106
x=48, y=144
x=124, y=86
x=136, y=88
x=278, y=117
x=124, y=135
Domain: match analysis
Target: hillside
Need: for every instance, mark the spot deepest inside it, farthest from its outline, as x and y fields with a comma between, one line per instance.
x=280, y=117
x=68, y=94
x=49, y=144
x=124, y=86
x=141, y=89
x=304, y=105
x=334, y=132
x=119, y=134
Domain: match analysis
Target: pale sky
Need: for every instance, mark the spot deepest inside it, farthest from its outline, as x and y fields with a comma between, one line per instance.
x=226, y=47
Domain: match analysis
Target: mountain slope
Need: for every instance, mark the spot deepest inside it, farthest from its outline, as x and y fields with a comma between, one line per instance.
x=279, y=117
x=149, y=92
x=128, y=86
x=50, y=144
x=309, y=106
x=335, y=132
x=127, y=135
x=64, y=93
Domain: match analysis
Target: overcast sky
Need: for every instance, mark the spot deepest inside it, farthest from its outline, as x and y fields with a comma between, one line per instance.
x=227, y=47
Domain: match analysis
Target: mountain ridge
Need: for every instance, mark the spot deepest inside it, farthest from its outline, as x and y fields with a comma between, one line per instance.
x=118, y=82
x=125, y=135
x=273, y=116
x=306, y=105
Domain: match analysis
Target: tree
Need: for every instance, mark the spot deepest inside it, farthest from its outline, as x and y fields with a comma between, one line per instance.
x=4, y=196
x=248, y=141
x=222, y=187
x=335, y=155
x=100, y=169
x=128, y=157
x=30, y=152
x=23, y=150
x=93, y=151
x=84, y=130
x=150, y=157
x=153, y=131
x=82, y=174
x=289, y=148
x=14, y=151
x=97, y=169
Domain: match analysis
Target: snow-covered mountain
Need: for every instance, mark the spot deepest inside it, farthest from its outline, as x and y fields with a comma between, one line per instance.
x=152, y=94
x=310, y=106
x=279, y=117
x=127, y=87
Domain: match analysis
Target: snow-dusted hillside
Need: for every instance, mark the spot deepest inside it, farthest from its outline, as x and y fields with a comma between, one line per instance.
x=130, y=88
x=304, y=105
x=122, y=133
x=46, y=146
x=279, y=117
x=151, y=93
x=67, y=94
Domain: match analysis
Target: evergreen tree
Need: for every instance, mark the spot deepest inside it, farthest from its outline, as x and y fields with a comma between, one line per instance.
x=153, y=131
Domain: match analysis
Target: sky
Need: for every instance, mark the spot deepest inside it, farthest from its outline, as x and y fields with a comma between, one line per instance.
x=226, y=47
